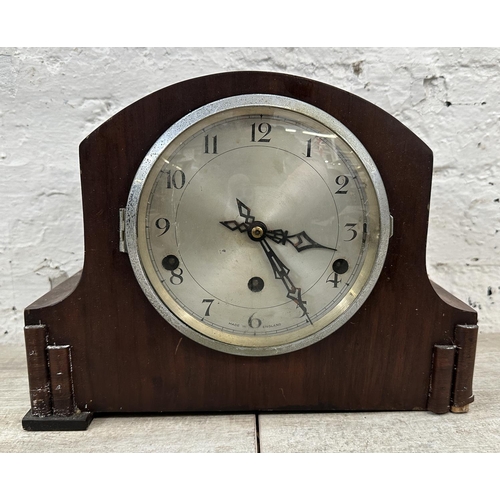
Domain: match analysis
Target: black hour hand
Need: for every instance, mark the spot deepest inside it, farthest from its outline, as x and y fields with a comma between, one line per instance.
x=244, y=212
x=300, y=241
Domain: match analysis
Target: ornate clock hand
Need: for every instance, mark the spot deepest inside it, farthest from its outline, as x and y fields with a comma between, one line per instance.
x=301, y=241
x=257, y=231
x=244, y=212
x=281, y=273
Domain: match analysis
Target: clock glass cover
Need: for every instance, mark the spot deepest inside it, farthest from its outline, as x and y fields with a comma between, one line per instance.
x=257, y=225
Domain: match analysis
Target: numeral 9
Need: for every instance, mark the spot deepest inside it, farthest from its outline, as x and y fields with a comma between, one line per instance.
x=163, y=225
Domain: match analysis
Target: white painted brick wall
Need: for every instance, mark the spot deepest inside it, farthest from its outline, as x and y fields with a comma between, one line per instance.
x=51, y=99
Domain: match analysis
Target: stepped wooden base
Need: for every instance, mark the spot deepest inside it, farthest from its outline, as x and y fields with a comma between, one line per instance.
x=79, y=421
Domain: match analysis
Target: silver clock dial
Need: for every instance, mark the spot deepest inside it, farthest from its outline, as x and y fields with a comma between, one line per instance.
x=257, y=225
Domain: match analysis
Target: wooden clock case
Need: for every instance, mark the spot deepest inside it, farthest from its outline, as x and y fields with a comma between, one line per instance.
x=96, y=345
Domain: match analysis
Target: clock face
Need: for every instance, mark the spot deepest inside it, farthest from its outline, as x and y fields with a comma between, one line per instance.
x=257, y=225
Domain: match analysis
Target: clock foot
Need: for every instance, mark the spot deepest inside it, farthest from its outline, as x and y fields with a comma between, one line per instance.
x=452, y=372
x=52, y=397
x=460, y=409
x=79, y=421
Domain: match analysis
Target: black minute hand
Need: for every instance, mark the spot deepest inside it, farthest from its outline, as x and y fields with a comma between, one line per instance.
x=281, y=273
x=257, y=232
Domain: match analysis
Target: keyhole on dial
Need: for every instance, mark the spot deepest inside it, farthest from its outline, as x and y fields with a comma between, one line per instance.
x=340, y=266
x=255, y=284
x=170, y=262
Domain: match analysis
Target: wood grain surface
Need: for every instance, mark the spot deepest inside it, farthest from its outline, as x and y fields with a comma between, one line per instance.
x=115, y=434
x=398, y=432
x=477, y=431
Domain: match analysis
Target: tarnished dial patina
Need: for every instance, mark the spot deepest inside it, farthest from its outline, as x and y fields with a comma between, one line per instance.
x=257, y=225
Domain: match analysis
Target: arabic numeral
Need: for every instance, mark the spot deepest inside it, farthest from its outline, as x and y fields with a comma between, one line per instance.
x=176, y=180
x=308, y=149
x=342, y=181
x=264, y=129
x=336, y=280
x=350, y=227
x=209, y=302
x=176, y=278
x=213, y=150
x=254, y=322
x=163, y=225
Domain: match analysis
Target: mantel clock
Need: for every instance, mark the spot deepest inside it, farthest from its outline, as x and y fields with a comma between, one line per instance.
x=253, y=242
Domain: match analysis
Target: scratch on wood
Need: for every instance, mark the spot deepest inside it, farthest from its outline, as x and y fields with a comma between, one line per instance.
x=283, y=393
x=178, y=344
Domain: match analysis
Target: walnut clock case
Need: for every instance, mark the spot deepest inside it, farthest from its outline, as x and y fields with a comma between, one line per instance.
x=253, y=242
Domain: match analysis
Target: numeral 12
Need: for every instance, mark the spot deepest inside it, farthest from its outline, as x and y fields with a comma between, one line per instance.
x=263, y=128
